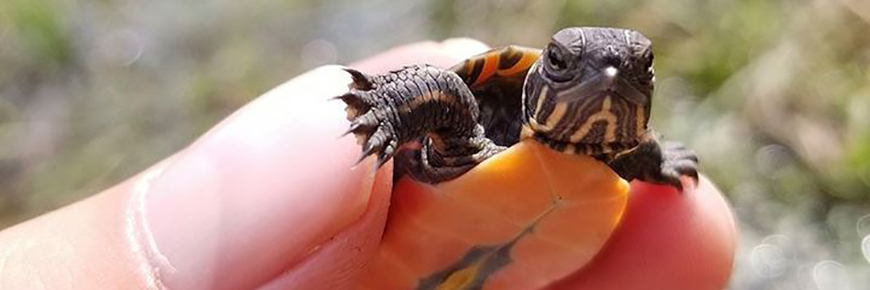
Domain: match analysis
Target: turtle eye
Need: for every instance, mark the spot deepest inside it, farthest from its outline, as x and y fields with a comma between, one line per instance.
x=555, y=59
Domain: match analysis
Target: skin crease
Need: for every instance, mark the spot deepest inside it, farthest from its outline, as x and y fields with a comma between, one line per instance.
x=315, y=225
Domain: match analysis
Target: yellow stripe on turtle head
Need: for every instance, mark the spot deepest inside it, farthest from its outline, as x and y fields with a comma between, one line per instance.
x=603, y=115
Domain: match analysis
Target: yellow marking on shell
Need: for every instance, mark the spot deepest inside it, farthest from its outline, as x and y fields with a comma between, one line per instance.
x=461, y=278
x=640, y=122
x=604, y=115
x=528, y=59
x=490, y=65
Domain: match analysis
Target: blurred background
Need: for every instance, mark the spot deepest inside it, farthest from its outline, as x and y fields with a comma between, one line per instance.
x=774, y=95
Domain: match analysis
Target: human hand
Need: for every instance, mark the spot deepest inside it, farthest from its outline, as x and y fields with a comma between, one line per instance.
x=270, y=198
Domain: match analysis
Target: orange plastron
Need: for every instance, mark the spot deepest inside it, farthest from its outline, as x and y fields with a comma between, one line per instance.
x=522, y=219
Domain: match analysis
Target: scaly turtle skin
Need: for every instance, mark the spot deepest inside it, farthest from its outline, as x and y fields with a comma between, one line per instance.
x=588, y=92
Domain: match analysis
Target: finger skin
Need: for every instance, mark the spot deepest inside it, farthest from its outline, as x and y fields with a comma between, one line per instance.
x=212, y=231
x=441, y=54
x=80, y=246
x=225, y=201
x=667, y=240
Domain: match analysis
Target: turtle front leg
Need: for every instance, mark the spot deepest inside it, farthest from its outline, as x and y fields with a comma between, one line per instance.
x=655, y=162
x=418, y=104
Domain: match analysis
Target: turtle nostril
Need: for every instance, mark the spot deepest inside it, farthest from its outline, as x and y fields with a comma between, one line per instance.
x=612, y=60
x=611, y=57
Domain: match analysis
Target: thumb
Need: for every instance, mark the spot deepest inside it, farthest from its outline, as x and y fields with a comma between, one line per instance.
x=270, y=197
x=249, y=200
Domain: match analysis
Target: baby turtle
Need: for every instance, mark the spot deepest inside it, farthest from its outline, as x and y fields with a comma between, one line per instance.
x=588, y=92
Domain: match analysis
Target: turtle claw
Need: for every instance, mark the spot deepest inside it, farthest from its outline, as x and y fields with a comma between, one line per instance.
x=658, y=163
x=381, y=144
x=373, y=130
x=678, y=161
x=682, y=160
x=670, y=177
x=361, y=81
x=386, y=154
x=362, y=126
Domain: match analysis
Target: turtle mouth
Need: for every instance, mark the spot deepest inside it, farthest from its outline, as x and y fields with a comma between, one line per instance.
x=581, y=148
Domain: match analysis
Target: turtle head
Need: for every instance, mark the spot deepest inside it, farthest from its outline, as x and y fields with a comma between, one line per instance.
x=591, y=90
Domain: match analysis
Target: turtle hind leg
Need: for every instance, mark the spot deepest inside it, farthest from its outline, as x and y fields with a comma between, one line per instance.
x=418, y=103
x=655, y=162
x=460, y=155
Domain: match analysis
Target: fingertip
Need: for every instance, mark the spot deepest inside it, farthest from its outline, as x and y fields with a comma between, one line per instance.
x=441, y=54
x=461, y=48
x=338, y=262
x=666, y=240
x=276, y=170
